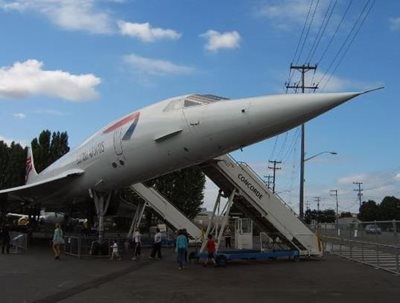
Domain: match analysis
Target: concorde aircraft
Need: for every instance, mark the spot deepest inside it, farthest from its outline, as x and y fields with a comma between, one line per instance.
x=163, y=137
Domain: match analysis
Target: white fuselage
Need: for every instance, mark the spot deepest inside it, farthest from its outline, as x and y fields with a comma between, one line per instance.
x=168, y=136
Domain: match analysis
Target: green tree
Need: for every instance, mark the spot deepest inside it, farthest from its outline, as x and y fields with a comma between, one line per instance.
x=327, y=216
x=4, y=155
x=390, y=208
x=49, y=147
x=12, y=171
x=346, y=214
x=369, y=211
x=322, y=216
x=17, y=165
x=12, y=164
x=183, y=188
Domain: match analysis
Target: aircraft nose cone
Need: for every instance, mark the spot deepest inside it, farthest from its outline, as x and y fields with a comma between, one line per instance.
x=276, y=114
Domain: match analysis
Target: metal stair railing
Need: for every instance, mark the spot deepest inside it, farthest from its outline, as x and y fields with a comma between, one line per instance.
x=311, y=244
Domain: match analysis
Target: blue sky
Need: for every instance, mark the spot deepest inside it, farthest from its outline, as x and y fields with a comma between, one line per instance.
x=76, y=65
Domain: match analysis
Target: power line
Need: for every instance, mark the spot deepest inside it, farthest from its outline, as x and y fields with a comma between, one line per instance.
x=300, y=39
x=307, y=33
x=321, y=31
x=352, y=40
x=335, y=33
x=343, y=49
x=269, y=180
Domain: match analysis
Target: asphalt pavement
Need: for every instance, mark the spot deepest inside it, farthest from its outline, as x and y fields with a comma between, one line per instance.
x=37, y=277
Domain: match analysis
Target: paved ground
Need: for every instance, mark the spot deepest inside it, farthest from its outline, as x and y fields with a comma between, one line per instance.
x=37, y=277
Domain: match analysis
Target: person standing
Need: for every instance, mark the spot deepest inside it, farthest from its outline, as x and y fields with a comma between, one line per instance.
x=58, y=240
x=115, y=252
x=137, y=242
x=228, y=237
x=156, y=245
x=210, y=250
x=181, y=246
x=186, y=234
x=5, y=237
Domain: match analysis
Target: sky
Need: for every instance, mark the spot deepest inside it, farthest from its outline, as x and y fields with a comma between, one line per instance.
x=76, y=65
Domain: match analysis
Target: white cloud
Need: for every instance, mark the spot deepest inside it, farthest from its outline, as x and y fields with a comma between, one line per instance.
x=354, y=178
x=155, y=66
x=217, y=40
x=394, y=23
x=145, y=32
x=68, y=14
x=19, y=115
x=25, y=79
x=286, y=14
x=375, y=185
x=52, y=112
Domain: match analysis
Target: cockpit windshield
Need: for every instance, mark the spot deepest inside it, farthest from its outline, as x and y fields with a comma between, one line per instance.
x=192, y=100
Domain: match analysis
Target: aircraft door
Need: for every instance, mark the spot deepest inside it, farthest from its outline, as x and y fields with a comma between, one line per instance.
x=117, y=140
x=194, y=118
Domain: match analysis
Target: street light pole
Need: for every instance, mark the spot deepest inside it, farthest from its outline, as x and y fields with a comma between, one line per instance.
x=303, y=160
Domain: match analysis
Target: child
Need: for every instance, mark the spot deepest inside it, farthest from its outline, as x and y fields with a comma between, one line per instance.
x=210, y=250
x=115, y=252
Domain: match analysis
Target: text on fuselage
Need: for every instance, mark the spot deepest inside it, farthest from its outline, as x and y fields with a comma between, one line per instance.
x=93, y=151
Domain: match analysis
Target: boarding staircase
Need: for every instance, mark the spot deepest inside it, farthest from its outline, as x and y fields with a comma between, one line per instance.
x=257, y=202
x=167, y=210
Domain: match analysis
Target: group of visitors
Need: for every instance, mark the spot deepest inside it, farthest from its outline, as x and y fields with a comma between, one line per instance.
x=181, y=246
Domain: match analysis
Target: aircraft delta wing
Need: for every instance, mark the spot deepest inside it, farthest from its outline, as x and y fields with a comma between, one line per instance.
x=41, y=190
x=167, y=136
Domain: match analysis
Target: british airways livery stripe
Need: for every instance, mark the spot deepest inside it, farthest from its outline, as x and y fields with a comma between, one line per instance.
x=133, y=117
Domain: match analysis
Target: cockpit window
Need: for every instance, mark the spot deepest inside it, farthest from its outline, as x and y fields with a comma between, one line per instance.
x=189, y=103
x=192, y=100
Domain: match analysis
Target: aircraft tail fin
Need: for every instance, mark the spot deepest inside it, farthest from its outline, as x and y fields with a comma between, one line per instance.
x=30, y=172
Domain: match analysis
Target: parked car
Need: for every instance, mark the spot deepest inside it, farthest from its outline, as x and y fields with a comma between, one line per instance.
x=372, y=229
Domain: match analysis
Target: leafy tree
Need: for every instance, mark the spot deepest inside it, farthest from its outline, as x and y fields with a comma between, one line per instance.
x=4, y=155
x=49, y=147
x=390, y=208
x=346, y=214
x=16, y=166
x=322, y=216
x=328, y=216
x=12, y=164
x=369, y=211
x=183, y=188
x=12, y=170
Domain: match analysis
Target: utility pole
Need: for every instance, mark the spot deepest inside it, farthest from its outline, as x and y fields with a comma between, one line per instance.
x=359, y=190
x=268, y=181
x=302, y=69
x=274, y=168
x=333, y=192
x=317, y=199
